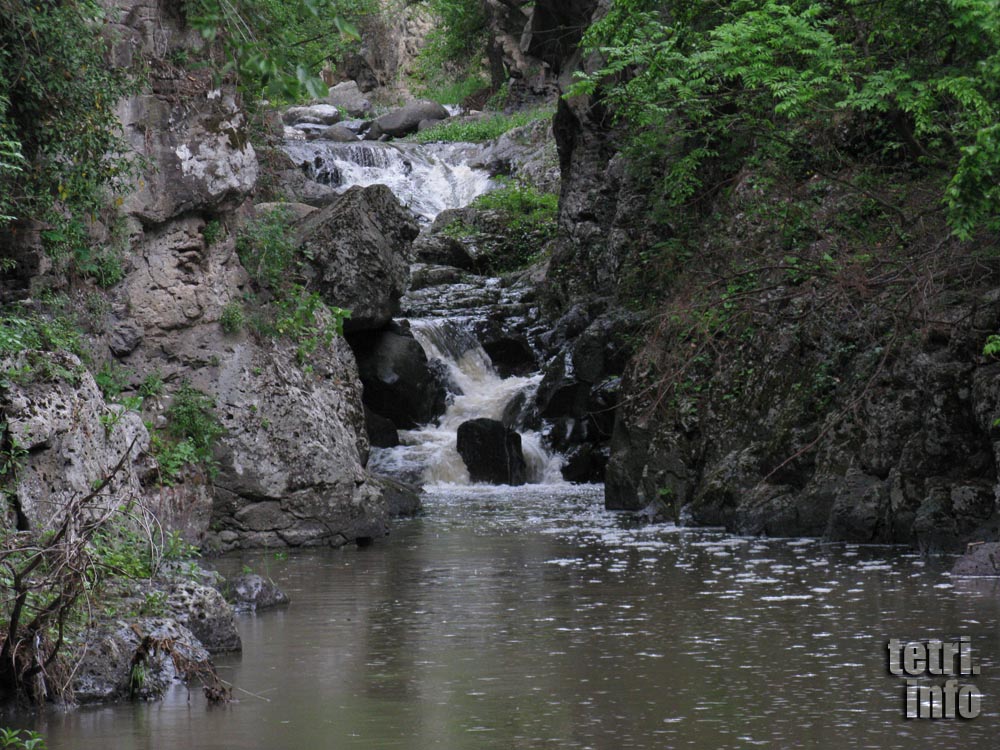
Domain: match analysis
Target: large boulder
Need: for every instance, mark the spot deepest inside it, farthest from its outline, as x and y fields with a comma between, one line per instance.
x=347, y=96
x=357, y=249
x=491, y=452
x=398, y=381
x=407, y=118
x=313, y=114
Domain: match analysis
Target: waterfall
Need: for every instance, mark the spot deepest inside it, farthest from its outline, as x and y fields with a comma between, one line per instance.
x=428, y=178
x=428, y=453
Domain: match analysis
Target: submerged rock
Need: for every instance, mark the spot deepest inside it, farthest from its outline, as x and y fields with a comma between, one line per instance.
x=491, y=452
x=979, y=560
x=250, y=592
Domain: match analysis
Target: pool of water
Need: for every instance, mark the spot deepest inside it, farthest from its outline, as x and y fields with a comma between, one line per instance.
x=531, y=618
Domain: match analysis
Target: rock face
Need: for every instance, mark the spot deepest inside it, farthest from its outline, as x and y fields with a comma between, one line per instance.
x=491, y=452
x=67, y=438
x=406, y=119
x=398, y=382
x=357, y=249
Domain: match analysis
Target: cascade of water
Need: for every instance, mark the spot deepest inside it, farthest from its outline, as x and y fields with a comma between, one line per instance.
x=428, y=454
x=428, y=178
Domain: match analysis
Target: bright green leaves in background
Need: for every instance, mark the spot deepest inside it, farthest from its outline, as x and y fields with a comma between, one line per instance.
x=277, y=48
x=734, y=77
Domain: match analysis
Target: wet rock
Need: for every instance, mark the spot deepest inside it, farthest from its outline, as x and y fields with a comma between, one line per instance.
x=401, y=498
x=585, y=464
x=980, y=559
x=398, y=381
x=348, y=97
x=104, y=672
x=382, y=432
x=338, y=133
x=204, y=611
x=357, y=249
x=491, y=452
x=250, y=592
x=511, y=356
x=406, y=119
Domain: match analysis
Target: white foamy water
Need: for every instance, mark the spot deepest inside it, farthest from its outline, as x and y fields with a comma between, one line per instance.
x=429, y=452
x=428, y=178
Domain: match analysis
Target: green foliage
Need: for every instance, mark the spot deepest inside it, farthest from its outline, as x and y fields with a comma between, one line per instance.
x=232, y=317
x=992, y=346
x=62, y=152
x=151, y=385
x=706, y=85
x=21, y=739
x=521, y=222
x=272, y=258
x=172, y=458
x=112, y=379
x=451, y=90
x=212, y=232
x=483, y=129
x=276, y=48
x=267, y=250
x=21, y=330
x=191, y=417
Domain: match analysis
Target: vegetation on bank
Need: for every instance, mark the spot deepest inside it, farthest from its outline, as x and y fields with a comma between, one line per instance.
x=487, y=127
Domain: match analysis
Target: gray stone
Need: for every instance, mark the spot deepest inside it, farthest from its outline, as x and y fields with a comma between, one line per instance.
x=338, y=133
x=357, y=249
x=249, y=592
x=313, y=114
x=348, y=97
x=980, y=559
x=204, y=611
x=406, y=119
x=491, y=452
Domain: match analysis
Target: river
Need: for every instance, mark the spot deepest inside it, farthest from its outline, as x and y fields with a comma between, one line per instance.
x=532, y=618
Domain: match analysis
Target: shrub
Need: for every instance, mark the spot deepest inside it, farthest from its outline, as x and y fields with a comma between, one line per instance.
x=232, y=317
x=483, y=129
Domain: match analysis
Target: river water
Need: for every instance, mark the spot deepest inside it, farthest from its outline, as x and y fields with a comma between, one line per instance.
x=532, y=618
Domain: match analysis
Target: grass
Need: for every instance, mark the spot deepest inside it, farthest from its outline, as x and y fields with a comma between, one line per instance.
x=483, y=129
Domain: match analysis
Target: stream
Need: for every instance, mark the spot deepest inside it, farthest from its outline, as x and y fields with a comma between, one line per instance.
x=530, y=617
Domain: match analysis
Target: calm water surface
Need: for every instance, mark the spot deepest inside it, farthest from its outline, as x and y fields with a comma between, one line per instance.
x=531, y=618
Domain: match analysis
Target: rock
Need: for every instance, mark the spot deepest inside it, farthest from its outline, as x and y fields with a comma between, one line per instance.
x=71, y=438
x=313, y=114
x=980, y=559
x=406, y=119
x=123, y=337
x=249, y=592
x=398, y=382
x=338, y=134
x=360, y=71
x=347, y=96
x=199, y=151
x=402, y=499
x=585, y=464
x=382, y=432
x=104, y=672
x=491, y=452
x=442, y=250
x=527, y=153
x=511, y=356
x=357, y=249
x=204, y=611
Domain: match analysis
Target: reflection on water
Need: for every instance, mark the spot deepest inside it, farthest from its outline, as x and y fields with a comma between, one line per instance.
x=531, y=618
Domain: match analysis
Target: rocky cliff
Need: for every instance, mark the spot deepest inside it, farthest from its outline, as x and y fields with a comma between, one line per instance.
x=289, y=464
x=811, y=361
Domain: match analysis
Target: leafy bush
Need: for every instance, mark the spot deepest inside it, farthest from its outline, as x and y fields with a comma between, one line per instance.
x=232, y=317
x=706, y=85
x=483, y=129
x=267, y=250
x=191, y=416
x=21, y=330
x=21, y=739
